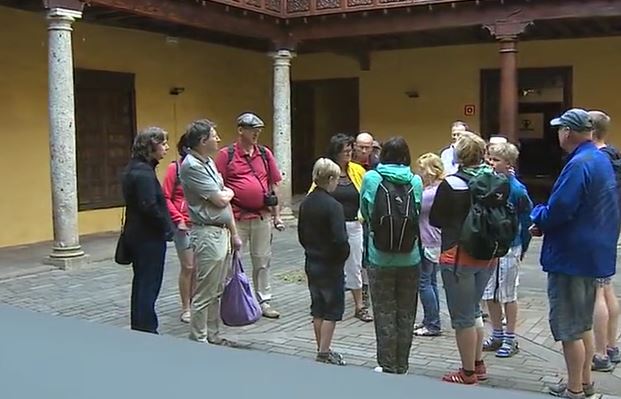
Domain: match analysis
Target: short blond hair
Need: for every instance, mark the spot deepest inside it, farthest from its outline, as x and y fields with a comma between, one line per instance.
x=601, y=123
x=505, y=151
x=324, y=170
x=430, y=167
x=470, y=149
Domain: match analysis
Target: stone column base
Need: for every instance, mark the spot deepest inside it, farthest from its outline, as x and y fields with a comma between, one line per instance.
x=67, y=262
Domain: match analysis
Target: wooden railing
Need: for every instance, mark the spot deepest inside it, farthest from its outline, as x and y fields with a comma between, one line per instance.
x=309, y=8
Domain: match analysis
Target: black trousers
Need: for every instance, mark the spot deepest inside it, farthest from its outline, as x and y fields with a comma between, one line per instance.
x=148, y=265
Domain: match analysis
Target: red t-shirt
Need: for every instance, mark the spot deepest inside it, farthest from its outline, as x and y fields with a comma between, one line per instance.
x=238, y=176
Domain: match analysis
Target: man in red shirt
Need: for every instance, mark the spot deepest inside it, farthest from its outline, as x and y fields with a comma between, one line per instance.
x=250, y=170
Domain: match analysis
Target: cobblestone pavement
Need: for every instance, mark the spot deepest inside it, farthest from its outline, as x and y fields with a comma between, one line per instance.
x=99, y=292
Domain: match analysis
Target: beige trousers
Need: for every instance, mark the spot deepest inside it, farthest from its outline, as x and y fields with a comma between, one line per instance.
x=211, y=246
x=257, y=235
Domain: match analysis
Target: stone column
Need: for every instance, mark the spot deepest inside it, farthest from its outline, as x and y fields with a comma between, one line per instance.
x=66, y=250
x=282, y=126
x=507, y=33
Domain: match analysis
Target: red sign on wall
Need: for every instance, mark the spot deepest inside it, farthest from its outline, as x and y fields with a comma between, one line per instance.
x=469, y=110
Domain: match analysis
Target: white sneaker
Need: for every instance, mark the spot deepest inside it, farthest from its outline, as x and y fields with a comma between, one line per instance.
x=378, y=369
x=185, y=316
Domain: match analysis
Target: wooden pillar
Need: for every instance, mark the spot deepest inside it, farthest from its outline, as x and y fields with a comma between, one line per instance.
x=507, y=32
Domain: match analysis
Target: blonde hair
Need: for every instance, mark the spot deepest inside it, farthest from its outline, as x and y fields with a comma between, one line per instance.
x=430, y=167
x=601, y=122
x=470, y=149
x=505, y=151
x=324, y=170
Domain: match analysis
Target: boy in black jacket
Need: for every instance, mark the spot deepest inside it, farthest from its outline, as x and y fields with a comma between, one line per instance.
x=321, y=231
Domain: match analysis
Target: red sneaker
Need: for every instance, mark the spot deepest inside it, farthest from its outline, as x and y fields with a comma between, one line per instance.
x=460, y=377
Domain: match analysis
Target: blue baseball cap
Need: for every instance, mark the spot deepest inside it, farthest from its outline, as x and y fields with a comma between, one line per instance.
x=576, y=119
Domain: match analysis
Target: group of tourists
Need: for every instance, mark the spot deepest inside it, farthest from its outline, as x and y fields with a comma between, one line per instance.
x=466, y=214
x=381, y=226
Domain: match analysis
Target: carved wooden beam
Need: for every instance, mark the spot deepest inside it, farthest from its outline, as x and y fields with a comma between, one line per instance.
x=75, y=5
x=463, y=16
x=208, y=17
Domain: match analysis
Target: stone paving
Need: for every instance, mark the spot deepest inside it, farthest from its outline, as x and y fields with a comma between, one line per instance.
x=99, y=292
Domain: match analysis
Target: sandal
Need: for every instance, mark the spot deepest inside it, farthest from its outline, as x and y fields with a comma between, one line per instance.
x=363, y=315
x=331, y=358
x=425, y=332
x=508, y=349
x=460, y=377
x=491, y=344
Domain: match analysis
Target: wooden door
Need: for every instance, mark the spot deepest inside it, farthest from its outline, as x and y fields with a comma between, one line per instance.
x=105, y=125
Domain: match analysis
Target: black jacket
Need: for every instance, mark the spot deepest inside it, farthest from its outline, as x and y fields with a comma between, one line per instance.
x=146, y=214
x=322, y=233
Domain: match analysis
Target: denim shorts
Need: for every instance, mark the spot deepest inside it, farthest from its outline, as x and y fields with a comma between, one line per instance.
x=464, y=286
x=327, y=297
x=572, y=301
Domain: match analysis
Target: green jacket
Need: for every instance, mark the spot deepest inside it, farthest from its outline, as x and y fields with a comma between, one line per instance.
x=398, y=174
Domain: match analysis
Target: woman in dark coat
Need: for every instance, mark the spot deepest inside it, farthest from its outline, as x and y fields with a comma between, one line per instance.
x=147, y=225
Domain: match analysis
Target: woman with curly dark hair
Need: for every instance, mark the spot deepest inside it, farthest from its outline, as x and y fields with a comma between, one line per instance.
x=147, y=225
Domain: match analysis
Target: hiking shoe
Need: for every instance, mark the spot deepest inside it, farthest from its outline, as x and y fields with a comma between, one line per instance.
x=614, y=354
x=331, y=358
x=491, y=344
x=561, y=388
x=602, y=364
x=269, y=311
x=508, y=349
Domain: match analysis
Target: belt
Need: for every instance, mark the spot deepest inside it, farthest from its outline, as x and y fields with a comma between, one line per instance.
x=351, y=220
x=220, y=225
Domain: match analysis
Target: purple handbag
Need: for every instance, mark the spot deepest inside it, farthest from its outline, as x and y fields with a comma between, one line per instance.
x=238, y=306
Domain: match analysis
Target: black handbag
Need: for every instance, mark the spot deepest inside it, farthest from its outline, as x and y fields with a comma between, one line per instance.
x=122, y=254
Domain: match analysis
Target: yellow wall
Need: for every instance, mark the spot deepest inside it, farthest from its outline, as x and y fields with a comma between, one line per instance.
x=447, y=78
x=217, y=85
x=220, y=82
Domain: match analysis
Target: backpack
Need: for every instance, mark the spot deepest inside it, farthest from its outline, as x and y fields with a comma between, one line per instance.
x=615, y=160
x=394, y=222
x=491, y=224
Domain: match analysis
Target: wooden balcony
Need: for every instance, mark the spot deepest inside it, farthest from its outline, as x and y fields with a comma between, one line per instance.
x=308, y=8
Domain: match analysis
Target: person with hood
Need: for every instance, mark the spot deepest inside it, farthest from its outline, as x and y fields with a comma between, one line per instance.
x=606, y=314
x=392, y=192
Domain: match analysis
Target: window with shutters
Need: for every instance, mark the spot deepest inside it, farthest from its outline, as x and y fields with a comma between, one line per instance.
x=105, y=128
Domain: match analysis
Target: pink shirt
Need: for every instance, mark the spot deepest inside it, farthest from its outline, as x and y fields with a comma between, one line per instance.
x=249, y=188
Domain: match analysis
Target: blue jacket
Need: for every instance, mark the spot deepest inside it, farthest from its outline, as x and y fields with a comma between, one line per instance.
x=523, y=205
x=581, y=220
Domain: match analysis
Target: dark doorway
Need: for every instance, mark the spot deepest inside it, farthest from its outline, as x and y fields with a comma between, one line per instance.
x=544, y=93
x=320, y=109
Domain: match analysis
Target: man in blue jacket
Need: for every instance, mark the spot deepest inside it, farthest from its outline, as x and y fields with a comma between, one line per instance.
x=580, y=224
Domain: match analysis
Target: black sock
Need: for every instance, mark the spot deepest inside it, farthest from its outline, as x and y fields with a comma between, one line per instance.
x=469, y=373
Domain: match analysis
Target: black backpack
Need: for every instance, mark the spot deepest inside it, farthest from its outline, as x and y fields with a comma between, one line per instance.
x=491, y=224
x=395, y=218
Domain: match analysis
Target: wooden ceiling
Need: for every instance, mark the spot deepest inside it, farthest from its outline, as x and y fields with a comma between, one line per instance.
x=427, y=24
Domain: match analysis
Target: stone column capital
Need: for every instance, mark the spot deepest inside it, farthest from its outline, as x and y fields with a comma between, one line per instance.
x=507, y=31
x=62, y=18
x=282, y=57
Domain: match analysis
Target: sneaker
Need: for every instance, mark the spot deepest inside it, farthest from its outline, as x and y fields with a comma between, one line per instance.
x=331, y=358
x=491, y=344
x=602, y=364
x=480, y=370
x=268, y=311
x=614, y=354
x=185, y=316
x=560, y=389
x=378, y=369
x=508, y=349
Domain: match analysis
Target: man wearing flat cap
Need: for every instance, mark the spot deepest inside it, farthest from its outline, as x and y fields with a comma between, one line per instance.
x=250, y=170
x=580, y=225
